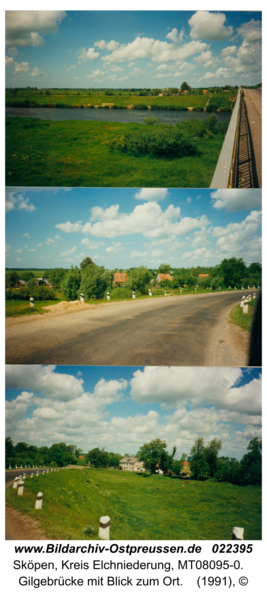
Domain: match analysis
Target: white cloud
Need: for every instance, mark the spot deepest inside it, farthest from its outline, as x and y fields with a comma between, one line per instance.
x=116, y=249
x=69, y=227
x=237, y=199
x=229, y=51
x=112, y=45
x=67, y=252
x=90, y=244
x=136, y=254
x=203, y=57
x=17, y=200
x=43, y=379
x=175, y=386
x=151, y=194
x=235, y=238
x=89, y=54
x=175, y=37
x=95, y=74
x=154, y=49
x=209, y=26
x=251, y=31
x=18, y=250
x=21, y=68
x=23, y=27
x=9, y=61
x=37, y=72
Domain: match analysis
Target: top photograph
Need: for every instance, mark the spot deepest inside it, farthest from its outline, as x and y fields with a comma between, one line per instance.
x=134, y=99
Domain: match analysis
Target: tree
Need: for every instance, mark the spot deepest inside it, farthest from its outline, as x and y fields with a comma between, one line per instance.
x=164, y=268
x=85, y=262
x=71, y=283
x=185, y=87
x=11, y=278
x=233, y=270
x=155, y=456
x=95, y=281
x=138, y=279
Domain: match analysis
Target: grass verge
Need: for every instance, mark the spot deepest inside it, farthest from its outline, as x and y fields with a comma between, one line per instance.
x=75, y=153
x=243, y=320
x=151, y=508
x=16, y=308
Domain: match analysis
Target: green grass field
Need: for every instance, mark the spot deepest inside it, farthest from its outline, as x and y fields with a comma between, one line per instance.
x=95, y=98
x=140, y=508
x=74, y=153
x=243, y=320
x=17, y=308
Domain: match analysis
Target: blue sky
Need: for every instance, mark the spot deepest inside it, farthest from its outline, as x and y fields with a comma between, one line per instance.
x=125, y=227
x=121, y=408
x=132, y=48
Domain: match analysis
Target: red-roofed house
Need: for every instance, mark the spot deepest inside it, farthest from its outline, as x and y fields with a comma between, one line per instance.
x=163, y=277
x=119, y=278
x=201, y=275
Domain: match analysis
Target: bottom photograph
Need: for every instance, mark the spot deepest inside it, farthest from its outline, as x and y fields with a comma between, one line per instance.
x=133, y=453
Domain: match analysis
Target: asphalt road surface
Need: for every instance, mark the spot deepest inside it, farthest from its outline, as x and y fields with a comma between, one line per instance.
x=175, y=330
x=12, y=473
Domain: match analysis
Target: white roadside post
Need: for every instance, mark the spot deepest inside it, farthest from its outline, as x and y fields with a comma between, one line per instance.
x=81, y=298
x=242, y=301
x=39, y=500
x=165, y=293
x=195, y=289
x=108, y=296
x=219, y=288
x=229, y=287
x=149, y=292
x=245, y=306
x=31, y=302
x=133, y=294
x=181, y=291
x=238, y=533
x=15, y=484
x=31, y=474
x=242, y=287
x=20, y=488
x=10, y=466
x=104, y=526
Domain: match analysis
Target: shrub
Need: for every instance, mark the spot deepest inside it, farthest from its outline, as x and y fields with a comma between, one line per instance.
x=151, y=120
x=95, y=281
x=161, y=142
x=71, y=283
x=120, y=293
x=24, y=293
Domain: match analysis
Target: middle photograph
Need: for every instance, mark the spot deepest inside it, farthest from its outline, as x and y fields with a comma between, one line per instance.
x=106, y=276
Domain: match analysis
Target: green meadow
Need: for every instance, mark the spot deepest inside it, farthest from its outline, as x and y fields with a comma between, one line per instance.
x=140, y=508
x=90, y=99
x=76, y=153
x=243, y=320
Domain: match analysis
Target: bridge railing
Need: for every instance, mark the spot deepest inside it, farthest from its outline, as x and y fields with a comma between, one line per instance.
x=225, y=172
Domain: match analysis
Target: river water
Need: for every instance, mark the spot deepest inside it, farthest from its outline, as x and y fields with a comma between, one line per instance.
x=117, y=115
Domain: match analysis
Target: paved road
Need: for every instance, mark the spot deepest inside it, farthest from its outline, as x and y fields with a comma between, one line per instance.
x=174, y=330
x=12, y=473
x=253, y=100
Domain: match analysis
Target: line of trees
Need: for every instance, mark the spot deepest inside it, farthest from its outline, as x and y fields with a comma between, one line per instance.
x=94, y=281
x=203, y=462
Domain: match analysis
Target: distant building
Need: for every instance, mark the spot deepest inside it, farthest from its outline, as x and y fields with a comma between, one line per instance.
x=119, y=278
x=20, y=283
x=201, y=275
x=131, y=463
x=204, y=91
x=163, y=277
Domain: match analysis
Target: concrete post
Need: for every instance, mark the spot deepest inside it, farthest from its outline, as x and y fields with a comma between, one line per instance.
x=108, y=296
x=31, y=474
x=81, y=297
x=165, y=293
x=195, y=289
x=16, y=467
x=133, y=294
x=181, y=291
x=242, y=287
x=9, y=466
x=15, y=484
x=235, y=287
x=210, y=288
x=238, y=533
x=242, y=301
x=31, y=302
x=245, y=307
x=149, y=292
x=104, y=526
x=39, y=500
x=248, y=287
x=20, y=488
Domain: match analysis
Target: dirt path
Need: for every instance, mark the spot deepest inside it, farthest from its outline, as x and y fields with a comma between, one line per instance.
x=22, y=527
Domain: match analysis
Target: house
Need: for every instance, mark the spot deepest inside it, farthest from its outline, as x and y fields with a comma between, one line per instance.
x=204, y=91
x=163, y=277
x=131, y=463
x=119, y=279
x=202, y=275
x=20, y=283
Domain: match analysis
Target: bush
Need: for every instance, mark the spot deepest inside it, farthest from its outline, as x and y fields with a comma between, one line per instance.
x=138, y=280
x=161, y=142
x=95, y=281
x=71, y=283
x=24, y=293
x=120, y=293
